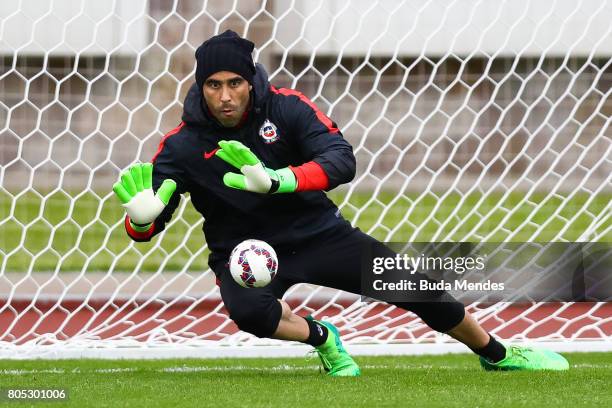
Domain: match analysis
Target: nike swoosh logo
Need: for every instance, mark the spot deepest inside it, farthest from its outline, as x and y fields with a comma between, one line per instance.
x=208, y=155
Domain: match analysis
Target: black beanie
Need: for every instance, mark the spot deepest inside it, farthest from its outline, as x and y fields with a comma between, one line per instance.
x=224, y=52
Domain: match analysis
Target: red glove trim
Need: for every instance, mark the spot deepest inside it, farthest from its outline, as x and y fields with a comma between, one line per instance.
x=136, y=234
x=310, y=177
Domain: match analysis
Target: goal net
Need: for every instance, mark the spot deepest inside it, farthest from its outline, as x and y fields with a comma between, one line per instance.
x=471, y=121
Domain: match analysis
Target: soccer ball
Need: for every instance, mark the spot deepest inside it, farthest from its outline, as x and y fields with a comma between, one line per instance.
x=253, y=263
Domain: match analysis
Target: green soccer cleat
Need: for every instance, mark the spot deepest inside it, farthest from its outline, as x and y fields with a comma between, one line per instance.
x=336, y=361
x=525, y=358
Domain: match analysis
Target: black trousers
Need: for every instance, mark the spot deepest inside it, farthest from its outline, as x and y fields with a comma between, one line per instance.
x=332, y=259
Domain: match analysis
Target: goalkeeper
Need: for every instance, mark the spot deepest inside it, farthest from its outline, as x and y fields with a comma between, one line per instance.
x=256, y=161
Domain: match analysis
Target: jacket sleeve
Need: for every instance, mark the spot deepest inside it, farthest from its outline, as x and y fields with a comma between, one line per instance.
x=325, y=152
x=164, y=167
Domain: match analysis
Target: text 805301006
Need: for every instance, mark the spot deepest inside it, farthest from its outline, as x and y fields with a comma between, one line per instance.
x=47, y=394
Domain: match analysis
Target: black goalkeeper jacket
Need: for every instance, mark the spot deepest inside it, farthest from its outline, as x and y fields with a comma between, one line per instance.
x=283, y=128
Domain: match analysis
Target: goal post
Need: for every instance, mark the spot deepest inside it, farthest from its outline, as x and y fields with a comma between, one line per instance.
x=471, y=121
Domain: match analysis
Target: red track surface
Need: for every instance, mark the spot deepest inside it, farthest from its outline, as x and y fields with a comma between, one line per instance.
x=22, y=321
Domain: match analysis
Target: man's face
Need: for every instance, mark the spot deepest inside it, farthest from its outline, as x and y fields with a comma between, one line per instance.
x=227, y=96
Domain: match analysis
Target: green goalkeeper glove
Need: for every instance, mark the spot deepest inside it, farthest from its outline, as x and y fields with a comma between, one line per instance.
x=255, y=177
x=135, y=191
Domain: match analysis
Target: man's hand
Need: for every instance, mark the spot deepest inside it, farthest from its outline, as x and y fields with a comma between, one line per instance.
x=255, y=177
x=135, y=192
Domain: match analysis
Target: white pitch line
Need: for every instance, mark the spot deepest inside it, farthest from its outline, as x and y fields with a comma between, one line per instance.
x=183, y=369
x=279, y=368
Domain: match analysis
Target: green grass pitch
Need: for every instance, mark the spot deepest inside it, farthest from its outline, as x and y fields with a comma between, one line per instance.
x=407, y=381
x=80, y=230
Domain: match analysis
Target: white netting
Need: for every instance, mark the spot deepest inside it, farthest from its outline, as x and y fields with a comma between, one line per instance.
x=470, y=120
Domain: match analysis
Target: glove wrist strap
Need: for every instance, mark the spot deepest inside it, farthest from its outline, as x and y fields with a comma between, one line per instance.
x=283, y=181
x=140, y=227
